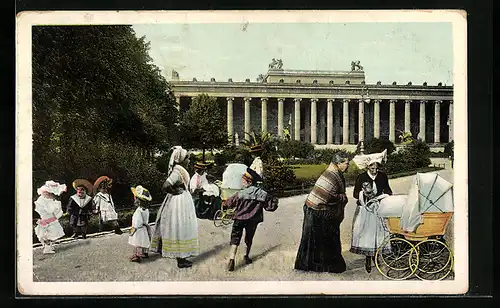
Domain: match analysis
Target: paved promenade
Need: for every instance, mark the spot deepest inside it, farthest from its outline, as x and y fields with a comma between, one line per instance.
x=105, y=258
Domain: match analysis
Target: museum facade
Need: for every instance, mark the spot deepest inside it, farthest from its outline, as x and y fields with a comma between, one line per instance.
x=327, y=108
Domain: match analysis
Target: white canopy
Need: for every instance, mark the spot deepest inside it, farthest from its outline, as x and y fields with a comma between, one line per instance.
x=232, y=179
x=363, y=161
x=429, y=193
x=232, y=176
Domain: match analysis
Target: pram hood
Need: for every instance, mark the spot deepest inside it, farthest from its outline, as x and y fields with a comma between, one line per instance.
x=232, y=179
x=232, y=176
x=429, y=193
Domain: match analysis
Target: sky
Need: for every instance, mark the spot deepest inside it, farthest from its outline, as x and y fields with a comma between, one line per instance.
x=402, y=52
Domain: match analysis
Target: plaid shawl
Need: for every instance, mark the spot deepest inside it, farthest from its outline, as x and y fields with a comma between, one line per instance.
x=325, y=193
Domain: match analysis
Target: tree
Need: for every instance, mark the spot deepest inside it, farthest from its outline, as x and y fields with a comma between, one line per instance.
x=203, y=126
x=99, y=104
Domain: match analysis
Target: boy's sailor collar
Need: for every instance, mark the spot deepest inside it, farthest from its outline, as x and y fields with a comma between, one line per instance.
x=81, y=202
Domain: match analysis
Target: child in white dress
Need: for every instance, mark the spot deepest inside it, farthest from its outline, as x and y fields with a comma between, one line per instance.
x=48, y=228
x=140, y=233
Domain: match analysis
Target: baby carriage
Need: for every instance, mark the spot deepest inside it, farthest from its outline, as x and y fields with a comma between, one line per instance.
x=417, y=224
x=231, y=184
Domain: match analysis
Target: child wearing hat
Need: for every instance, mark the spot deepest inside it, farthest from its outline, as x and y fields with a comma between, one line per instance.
x=140, y=233
x=104, y=205
x=48, y=228
x=249, y=204
x=79, y=207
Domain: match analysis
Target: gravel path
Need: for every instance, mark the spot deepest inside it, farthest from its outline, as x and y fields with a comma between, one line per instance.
x=275, y=246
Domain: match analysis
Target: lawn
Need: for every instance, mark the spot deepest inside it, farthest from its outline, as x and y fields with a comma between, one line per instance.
x=308, y=171
x=314, y=171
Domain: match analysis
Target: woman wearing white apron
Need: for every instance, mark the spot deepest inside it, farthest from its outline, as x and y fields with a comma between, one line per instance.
x=176, y=229
x=368, y=229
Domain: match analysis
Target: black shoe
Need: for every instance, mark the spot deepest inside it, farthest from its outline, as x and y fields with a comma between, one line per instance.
x=84, y=236
x=145, y=256
x=118, y=231
x=248, y=260
x=135, y=259
x=183, y=263
x=230, y=265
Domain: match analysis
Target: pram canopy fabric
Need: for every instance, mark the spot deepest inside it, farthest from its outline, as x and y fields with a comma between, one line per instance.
x=429, y=193
x=232, y=179
x=363, y=161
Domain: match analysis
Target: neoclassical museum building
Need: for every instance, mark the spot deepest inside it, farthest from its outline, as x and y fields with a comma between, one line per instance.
x=327, y=108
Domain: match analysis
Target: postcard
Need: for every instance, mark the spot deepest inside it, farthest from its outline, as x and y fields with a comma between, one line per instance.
x=241, y=152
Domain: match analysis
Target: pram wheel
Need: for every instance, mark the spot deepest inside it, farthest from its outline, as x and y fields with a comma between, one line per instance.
x=435, y=260
x=395, y=259
x=218, y=218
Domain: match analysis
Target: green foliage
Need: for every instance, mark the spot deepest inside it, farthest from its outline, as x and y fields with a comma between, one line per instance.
x=294, y=149
x=411, y=156
x=277, y=176
x=203, y=125
x=325, y=156
x=233, y=154
x=99, y=106
x=376, y=145
x=268, y=141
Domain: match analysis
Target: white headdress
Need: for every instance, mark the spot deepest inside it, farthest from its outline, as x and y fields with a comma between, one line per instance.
x=52, y=187
x=363, y=161
x=178, y=155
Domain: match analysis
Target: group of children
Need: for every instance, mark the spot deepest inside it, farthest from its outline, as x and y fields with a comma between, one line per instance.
x=249, y=204
x=80, y=208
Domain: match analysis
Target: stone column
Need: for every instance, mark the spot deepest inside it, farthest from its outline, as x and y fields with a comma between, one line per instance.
x=336, y=122
x=392, y=120
x=329, y=121
x=422, y=120
x=247, y=117
x=297, y=118
x=376, y=118
x=437, y=121
x=264, y=114
x=230, y=131
x=314, y=125
x=280, y=116
x=407, y=116
x=361, y=120
x=345, y=123
x=450, y=122
x=322, y=123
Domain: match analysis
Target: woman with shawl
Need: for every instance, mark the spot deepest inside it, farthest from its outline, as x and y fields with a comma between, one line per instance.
x=368, y=230
x=176, y=229
x=320, y=248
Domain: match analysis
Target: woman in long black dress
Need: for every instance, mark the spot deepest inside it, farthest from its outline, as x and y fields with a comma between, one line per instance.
x=320, y=247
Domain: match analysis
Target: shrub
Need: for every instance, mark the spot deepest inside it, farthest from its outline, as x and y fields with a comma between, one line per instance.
x=376, y=145
x=278, y=175
x=295, y=149
x=324, y=156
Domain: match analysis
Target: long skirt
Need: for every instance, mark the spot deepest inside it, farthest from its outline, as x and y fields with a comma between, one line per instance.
x=368, y=232
x=320, y=248
x=176, y=229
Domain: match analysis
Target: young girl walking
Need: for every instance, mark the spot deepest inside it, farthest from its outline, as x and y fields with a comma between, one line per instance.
x=140, y=233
